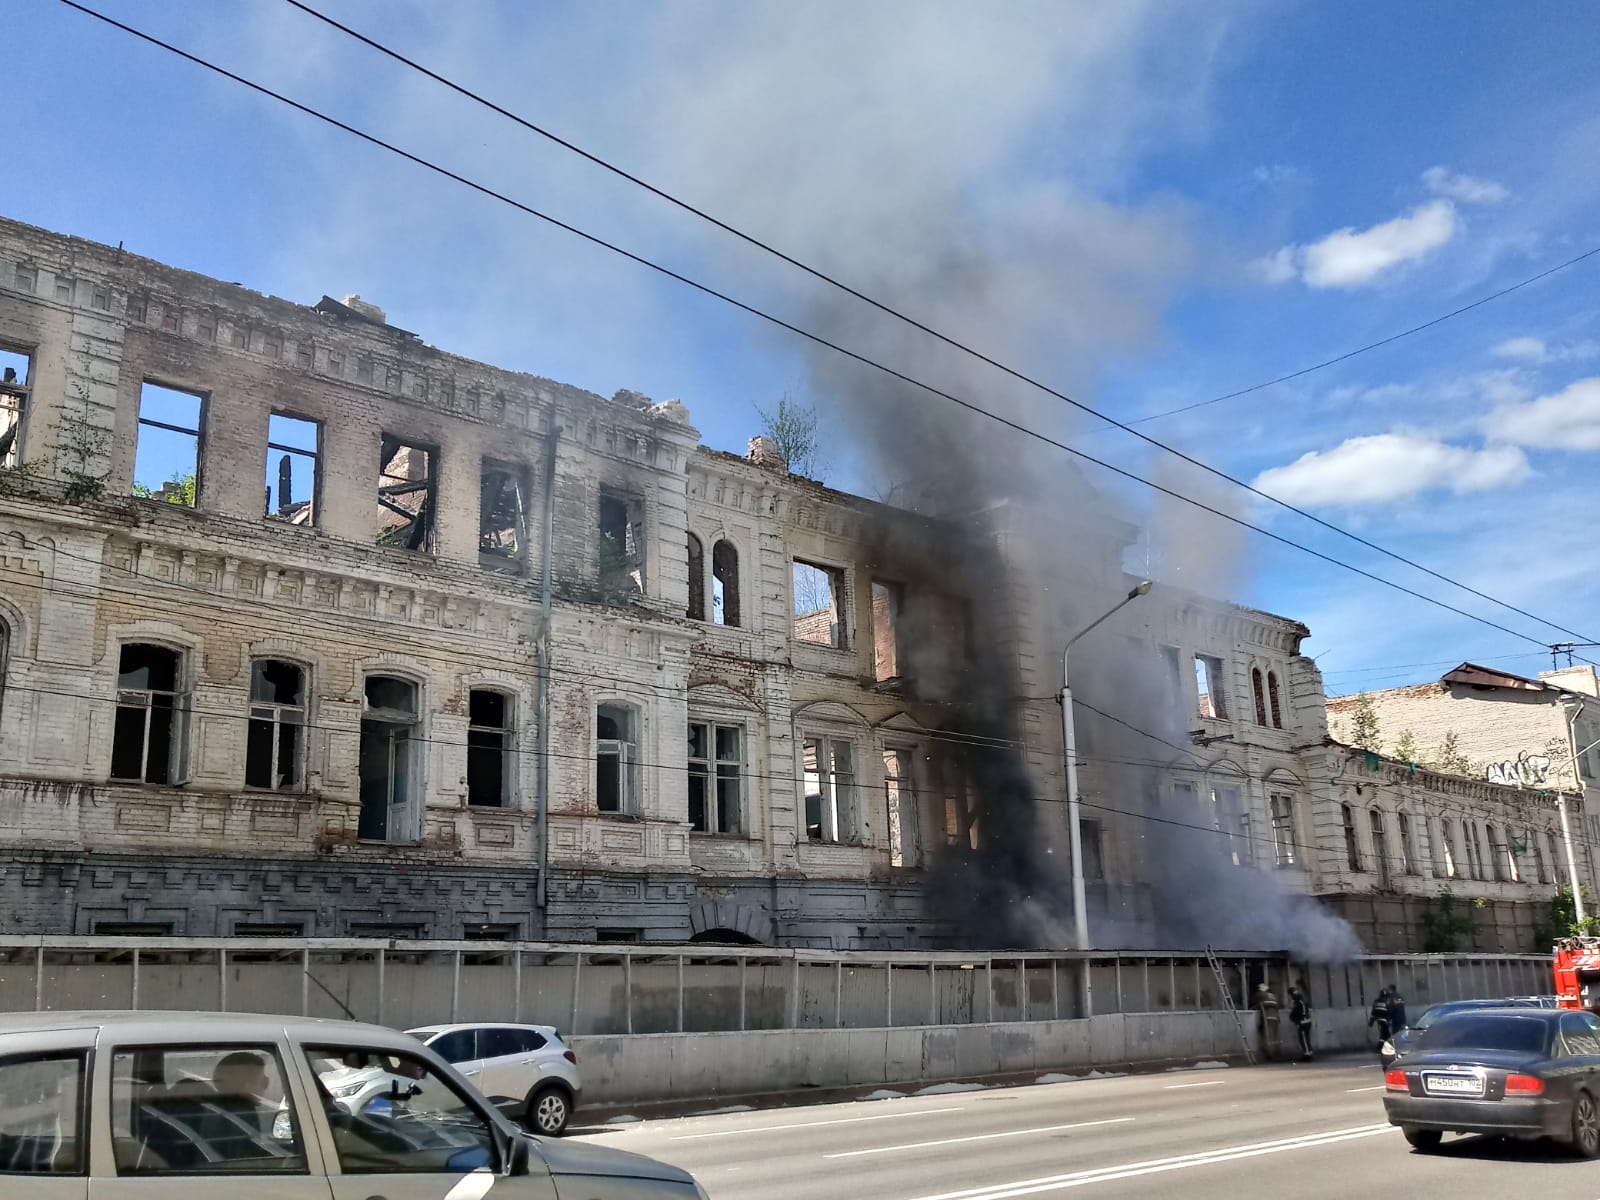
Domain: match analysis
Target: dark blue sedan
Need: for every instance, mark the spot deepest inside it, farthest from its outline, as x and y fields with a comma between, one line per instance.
x=1403, y=1039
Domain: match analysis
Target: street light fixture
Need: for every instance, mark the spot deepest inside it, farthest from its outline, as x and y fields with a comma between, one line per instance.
x=1069, y=742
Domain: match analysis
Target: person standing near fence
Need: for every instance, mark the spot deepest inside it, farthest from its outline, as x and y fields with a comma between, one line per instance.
x=1268, y=1021
x=1300, y=1014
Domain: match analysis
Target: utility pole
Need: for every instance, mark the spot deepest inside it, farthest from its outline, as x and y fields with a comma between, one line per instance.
x=1069, y=743
x=1561, y=809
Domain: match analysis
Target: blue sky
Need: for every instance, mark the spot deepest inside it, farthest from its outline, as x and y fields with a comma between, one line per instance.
x=1145, y=204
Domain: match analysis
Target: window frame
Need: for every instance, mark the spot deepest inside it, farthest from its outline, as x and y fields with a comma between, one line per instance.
x=1379, y=829
x=519, y=478
x=81, y=1109
x=725, y=609
x=1408, y=850
x=506, y=732
x=1258, y=691
x=295, y=453
x=426, y=516
x=903, y=806
x=1274, y=699
x=838, y=605
x=1211, y=670
x=626, y=751
x=22, y=394
x=695, y=557
x=710, y=767
x=1280, y=810
x=274, y=713
x=1352, y=839
x=198, y=433
x=844, y=808
x=1230, y=816
x=182, y=707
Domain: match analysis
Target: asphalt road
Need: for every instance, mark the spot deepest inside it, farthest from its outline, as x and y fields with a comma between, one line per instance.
x=1305, y=1131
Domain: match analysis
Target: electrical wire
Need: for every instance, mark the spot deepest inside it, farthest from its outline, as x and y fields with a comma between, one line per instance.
x=986, y=359
x=836, y=347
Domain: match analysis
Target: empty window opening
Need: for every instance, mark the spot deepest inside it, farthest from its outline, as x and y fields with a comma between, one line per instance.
x=1469, y=843
x=619, y=937
x=407, y=497
x=621, y=547
x=716, y=772
x=1273, y=700
x=1352, y=847
x=1447, y=848
x=167, y=464
x=1380, y=848
x=887, y=600
x=1408, y=852
x=1231, y=817
x=830, y=789
x=305, y=353
x=489, y=748
x=905, y=819
x=697, y=579
x=502, y=517
x=272, y=345
x=1259, y=692
x=150, y=740
x=616, y=763
x=1499, y=855
x=205, y=327
x=275, y=741
x=241, y=337
x=1089, y=843
x=1541, y=864
x=1283, y=839
x=725, y=584
x=294, y=469
x=1557, y=859
x=1211, y=689
x=391, y=791
x=16, y=370
x=817, y=615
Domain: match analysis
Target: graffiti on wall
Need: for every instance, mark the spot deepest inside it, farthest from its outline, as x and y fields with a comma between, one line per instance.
x=1526, y=770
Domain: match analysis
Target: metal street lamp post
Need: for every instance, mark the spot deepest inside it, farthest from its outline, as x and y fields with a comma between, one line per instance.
x=1069, y=741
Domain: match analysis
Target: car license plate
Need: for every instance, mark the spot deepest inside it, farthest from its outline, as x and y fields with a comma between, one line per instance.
x=1452, y=1085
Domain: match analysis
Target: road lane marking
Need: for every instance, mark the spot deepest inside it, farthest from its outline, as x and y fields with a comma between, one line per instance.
x=1377, y=1087
x=1171, y=1087
x=977, y=1137
x=1029, y=1187
x=894, y=1116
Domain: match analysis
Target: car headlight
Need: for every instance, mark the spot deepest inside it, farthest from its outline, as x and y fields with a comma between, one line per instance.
x=348, y=1090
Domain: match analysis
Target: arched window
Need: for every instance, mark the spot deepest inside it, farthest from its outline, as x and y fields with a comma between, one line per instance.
x=1447, y=846
x=150, y=741
x=1352, y=848
x=274, y=742
x=489, y=764
x=391, y=792
x=1272, y=696
x=725, y=584
x=1261, y=700
x=697, y=579
x=1380, y=848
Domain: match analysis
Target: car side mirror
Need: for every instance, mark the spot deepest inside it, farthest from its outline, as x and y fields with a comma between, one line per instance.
x=517, y=1156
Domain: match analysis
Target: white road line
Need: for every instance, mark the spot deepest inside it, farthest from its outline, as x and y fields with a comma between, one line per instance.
x=1377, y=1087
x=916, y=1112
x=1172, y=1087
x=1029, y=1187
x=977, y=1137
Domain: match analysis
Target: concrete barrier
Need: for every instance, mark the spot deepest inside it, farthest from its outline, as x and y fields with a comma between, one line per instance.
x=645, y=1068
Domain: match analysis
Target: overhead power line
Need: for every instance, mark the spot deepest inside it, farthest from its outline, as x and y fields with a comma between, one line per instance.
x=835, y=347
x=956, y=344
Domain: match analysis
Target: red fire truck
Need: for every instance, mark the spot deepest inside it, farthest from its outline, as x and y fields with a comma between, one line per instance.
x=1578, y=973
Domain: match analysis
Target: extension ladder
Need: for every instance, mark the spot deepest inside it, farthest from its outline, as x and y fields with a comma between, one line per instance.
x=1227, y=1000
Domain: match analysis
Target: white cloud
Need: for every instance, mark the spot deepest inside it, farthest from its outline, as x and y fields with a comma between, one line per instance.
x=1351, y=258
x=1524, y=349
x=1466, y=188
x=1391, y=466
x=1567, y=420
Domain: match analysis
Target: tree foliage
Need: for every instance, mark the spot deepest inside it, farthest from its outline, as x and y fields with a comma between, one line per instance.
x=1449, y=758
x=1405, y=746
x=1447, y=923
x=1364, y=725
x=796, y=429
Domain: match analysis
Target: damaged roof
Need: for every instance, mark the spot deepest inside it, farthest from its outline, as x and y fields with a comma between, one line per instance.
x=1472, y=675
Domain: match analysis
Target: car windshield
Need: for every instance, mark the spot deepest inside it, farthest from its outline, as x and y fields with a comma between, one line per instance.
x=1487, y=1031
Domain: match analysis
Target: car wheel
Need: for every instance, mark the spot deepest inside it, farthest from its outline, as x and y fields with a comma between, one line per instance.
x=549, y=1110
x=1425, y=1140
x=1585, y=1126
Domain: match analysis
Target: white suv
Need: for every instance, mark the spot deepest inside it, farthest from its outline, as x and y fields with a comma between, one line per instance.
x=525, y=1069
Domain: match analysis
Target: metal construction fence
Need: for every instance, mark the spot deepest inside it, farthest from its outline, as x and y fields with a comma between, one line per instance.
x=622, y=989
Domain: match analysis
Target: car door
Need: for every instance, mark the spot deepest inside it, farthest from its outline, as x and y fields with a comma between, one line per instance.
x=44, y=1122
x=459, y=1048
x=508, y=1066
x=427, y=1140
x=200, y=1120
x=1581, y=1033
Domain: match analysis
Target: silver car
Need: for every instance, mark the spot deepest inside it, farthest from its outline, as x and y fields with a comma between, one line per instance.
x=180, y=1106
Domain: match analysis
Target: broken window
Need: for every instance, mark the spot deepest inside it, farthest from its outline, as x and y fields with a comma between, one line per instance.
x=294, y=469
x=1445, y=860
x=1272, y=697
x=1408, y=853
x=275, y=740
x=725, y=584
x=391, y=792
x=1498, y=854
x=150, y=739
x=489, y=748
x=1259, y=691
x=1557, y=861
x=900, y=793
x=697, y=579
x=1352, y=847
x=502, y=517
x=406, y=494
x=1283, y=839
x=1089, y=839
x=616, y=767
x=1212, y=689
x=16, y=369
x=886, y=605
x=1541, y=865
x=1380, y=848
x=1232, y=818
x=1469, y=844
x=716, y=771
x=167, y=463
x=830, y=787
x=817, y=612
x=621, y=547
